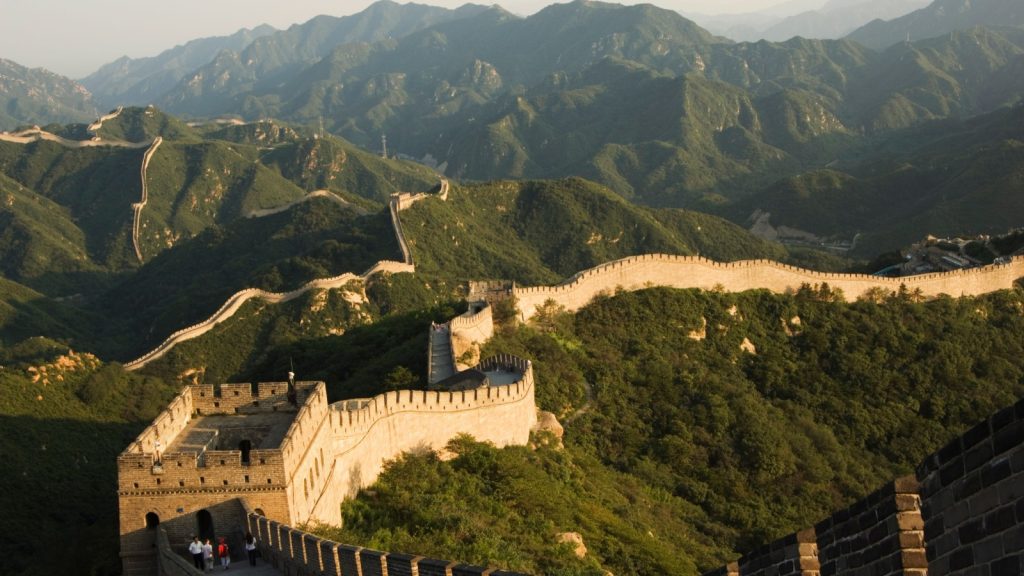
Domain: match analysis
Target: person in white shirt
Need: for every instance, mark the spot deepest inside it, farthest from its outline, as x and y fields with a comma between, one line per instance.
x=196, y=548
x=208, y=555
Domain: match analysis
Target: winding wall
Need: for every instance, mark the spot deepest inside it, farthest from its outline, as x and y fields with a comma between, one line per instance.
x=236, y=300
x=637, y=272
x=138, y=206
x=314, y=194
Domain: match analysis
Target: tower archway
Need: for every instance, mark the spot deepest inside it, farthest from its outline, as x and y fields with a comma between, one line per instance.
x=152, y=520
x=204, y=525
x=245, y=446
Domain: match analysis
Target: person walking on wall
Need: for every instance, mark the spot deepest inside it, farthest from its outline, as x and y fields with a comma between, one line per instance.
x=250, y=548
x=223, y=553
x=196, y=549
x=208, y=555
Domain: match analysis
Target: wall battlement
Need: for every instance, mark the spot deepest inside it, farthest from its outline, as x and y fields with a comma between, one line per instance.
x=327, y=453
x=961, y=513
x=637, y=272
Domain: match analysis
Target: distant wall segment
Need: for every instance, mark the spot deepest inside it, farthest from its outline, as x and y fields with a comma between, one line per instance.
x=637, y=272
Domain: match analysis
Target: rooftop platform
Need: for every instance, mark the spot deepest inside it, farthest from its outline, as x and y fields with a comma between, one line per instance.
x=264, y=430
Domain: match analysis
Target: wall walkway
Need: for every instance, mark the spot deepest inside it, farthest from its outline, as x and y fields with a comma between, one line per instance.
x=138, y=206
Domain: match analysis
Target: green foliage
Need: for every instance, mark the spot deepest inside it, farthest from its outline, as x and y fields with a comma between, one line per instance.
x=681, y=452
x=60, y=442
x=538, y=232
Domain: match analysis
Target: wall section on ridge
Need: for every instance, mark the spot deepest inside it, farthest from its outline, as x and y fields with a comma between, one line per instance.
x=638, y=272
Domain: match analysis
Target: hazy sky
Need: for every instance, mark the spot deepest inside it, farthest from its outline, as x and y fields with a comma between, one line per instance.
x=75, y=37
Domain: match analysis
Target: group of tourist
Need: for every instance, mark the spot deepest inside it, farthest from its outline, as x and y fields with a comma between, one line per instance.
x=202, y=552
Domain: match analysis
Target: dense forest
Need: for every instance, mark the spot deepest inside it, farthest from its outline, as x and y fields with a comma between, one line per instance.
x=702, y=424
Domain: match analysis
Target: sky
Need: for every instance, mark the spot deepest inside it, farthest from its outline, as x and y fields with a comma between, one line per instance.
x=75, y=37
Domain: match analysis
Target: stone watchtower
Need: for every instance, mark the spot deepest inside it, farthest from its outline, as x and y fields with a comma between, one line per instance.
x=212, y=446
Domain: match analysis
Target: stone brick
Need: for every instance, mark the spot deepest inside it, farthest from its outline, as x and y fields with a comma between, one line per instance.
x=962, y=558
x=951, y=472
x=976, y=434
x=970, y=486
x=348, y=558
x=1008, y=438
x=914, y=559
x=433, y=567
x=402, y=565
x=373, y=562
x=983, y=501
x=995, y=471
x=905, y=502
x=1013, y=539
x=988, y=550
x=976, y=457
x=972, y=531
x=1008, y=566
x=911, y=539
x=910, y=521
x=934, y=527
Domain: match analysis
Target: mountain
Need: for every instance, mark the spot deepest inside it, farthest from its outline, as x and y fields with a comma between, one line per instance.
x=637, y=98
x=832, y=19
x=946, y=178
x=837, y=18
x=537, y=232
x=275, y=59
x=139, y=81
x=214, y=192
x=938, y=18
x=37, y=96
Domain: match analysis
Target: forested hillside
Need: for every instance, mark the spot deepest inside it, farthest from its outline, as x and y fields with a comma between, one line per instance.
x=699, y=425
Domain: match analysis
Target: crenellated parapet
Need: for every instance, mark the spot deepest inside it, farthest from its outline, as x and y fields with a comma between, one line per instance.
x=960, y=514
x=638, y=272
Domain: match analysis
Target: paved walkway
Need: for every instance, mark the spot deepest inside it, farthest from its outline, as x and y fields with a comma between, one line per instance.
x=242, y=567
x=440, y=354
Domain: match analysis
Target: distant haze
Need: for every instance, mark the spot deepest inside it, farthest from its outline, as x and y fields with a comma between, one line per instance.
x=75, y=37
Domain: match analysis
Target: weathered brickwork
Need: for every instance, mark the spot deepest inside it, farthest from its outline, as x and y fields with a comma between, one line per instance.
x=972, y=495
x=961, y=514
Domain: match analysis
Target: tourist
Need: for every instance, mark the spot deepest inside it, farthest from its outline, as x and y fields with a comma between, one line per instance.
x=223, y=553
x=196, y=548
x=250, y=548
x=208, y=555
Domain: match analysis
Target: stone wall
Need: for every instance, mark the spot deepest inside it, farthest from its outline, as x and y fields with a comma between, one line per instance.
x=232, y=304
x=468, y=331
x=972, y=494
x=295, y=552
x=961, y=514
x=363, y=434
x=639, y=272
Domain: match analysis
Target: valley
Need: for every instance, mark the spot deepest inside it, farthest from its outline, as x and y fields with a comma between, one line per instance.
x=751, y=279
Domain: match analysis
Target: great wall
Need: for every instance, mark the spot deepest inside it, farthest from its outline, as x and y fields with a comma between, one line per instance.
x=638, y=272
x=138, y=206
x=963, y=509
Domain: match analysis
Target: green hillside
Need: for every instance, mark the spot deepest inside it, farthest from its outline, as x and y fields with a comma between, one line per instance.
x=938, y=18
x=537, y=232
x=951, y=178
x=680, y=452
x=66, y=417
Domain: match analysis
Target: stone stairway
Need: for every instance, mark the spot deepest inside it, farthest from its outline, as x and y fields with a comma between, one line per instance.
x=441, y=365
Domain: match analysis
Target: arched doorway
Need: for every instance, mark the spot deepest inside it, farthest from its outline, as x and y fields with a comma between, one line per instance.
x=152, y=520
x=245, y=446
x=204, y=526
x=259, y=511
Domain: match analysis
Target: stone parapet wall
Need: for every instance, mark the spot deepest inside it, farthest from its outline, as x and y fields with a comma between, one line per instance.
x=294, y=551
x=232, y=304
x=972, y=494
x=638, y=272
x=961, y=514
x=365, y=433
